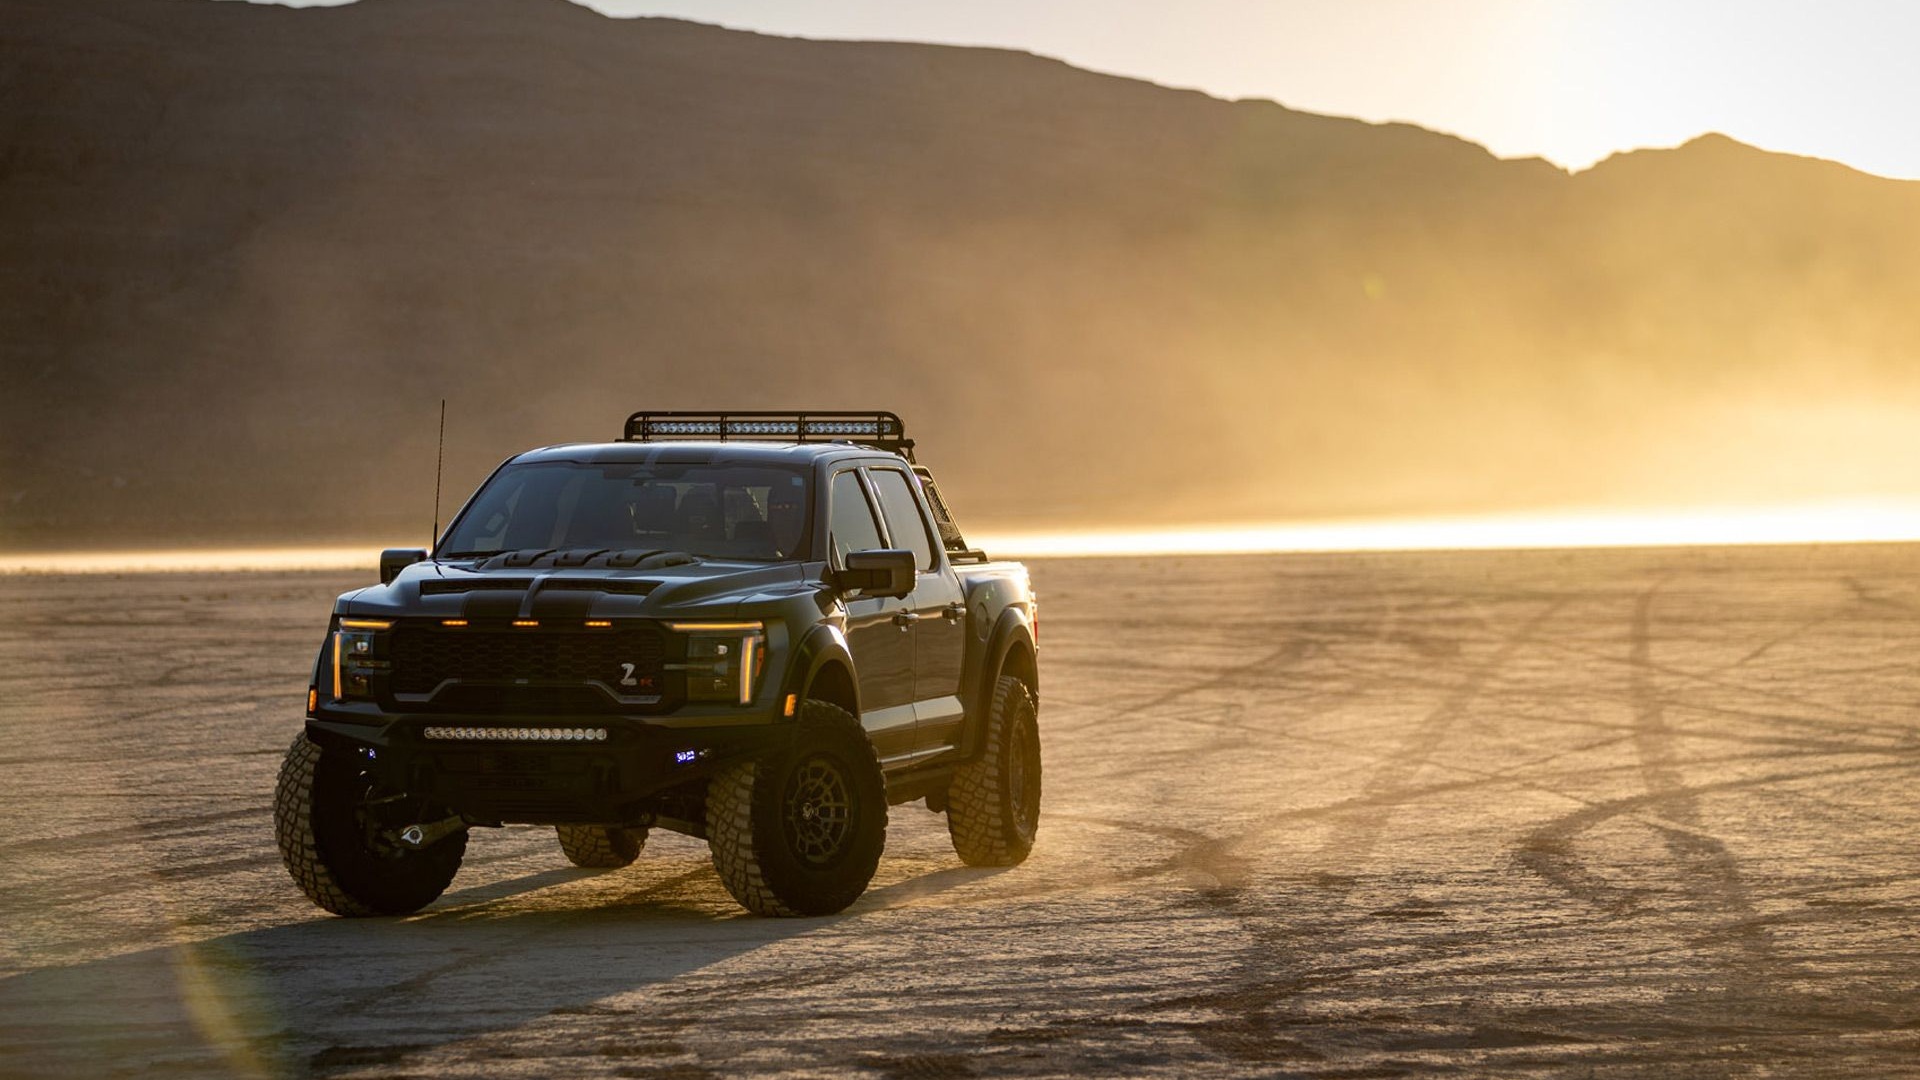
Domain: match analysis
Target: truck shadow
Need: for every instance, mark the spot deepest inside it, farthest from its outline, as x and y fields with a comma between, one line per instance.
x=330, y=994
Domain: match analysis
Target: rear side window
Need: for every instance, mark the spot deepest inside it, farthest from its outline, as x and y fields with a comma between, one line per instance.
x=851, y=518
x=902, y=511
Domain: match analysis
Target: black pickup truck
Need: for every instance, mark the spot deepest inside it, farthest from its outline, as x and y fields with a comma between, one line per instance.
x=756, y=628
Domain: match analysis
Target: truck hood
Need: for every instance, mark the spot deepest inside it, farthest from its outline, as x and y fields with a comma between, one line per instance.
x=494, y=589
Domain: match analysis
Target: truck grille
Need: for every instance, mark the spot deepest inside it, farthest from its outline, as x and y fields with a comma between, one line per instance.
x=424, y=657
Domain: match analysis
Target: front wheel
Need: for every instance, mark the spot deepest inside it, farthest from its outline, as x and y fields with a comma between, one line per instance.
x=332, y=823
x=993, y=803
x=799, y=831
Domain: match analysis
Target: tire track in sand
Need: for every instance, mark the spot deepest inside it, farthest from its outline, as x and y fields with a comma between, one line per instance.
x=1355, y=836
x=1255, y=1021
x=1709, y=869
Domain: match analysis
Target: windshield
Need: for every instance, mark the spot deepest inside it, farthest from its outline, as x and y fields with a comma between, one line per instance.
x=722, y=511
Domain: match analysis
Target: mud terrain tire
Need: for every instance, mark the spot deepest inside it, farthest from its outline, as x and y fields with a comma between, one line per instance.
x=993, y=804
x=597, y=846
x=317, y=819
x=799, y=831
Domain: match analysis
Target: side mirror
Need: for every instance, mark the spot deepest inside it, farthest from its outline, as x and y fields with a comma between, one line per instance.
x=394, y=560
x=881, y=572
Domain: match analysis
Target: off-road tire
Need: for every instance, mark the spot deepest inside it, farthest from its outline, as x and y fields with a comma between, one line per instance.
x=600, y=847
x=315, y=823
x=993, y=803
x=775, y=856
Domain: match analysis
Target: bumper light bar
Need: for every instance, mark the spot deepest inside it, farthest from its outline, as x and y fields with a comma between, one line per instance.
x=519, y=734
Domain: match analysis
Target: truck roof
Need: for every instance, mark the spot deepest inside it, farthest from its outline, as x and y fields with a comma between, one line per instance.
x=719, y=453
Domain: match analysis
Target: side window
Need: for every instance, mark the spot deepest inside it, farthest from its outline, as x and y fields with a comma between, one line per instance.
x=902, y=511
x=851, y=520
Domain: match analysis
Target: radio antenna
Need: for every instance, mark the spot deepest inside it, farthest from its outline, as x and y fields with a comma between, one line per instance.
x=439, y=460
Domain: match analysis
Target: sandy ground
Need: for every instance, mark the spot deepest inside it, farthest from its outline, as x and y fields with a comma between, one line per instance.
x=1544, y=814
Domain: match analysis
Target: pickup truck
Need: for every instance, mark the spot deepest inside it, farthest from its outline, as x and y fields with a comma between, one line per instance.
x=761, y=629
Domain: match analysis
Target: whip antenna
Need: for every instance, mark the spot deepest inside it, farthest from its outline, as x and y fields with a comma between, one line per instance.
x=439, y=460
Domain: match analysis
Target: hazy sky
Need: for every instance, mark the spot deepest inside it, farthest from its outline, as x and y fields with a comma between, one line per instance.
x=1570, y=80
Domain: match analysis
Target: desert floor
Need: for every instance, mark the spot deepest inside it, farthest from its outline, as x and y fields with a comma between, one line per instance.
x=1627, y=813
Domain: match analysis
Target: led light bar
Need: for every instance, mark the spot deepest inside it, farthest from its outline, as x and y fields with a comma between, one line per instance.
x=769, y=427
x=879, y=429
x=518, y=734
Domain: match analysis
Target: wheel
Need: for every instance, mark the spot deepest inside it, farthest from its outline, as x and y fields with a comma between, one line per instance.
x=600, y=846
x=993, y=804
x=328, y=816
x=799, y=831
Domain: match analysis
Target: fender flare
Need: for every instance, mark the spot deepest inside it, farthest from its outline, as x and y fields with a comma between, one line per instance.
x=1014, y=629
x=822, y=646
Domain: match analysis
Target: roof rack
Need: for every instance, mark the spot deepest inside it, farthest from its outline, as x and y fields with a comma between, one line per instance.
x=881, y=430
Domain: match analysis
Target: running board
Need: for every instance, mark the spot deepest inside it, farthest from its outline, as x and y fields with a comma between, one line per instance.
x=907, y=761
x=920, y=775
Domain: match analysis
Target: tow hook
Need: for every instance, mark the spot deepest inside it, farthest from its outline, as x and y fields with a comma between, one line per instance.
x=428, y=834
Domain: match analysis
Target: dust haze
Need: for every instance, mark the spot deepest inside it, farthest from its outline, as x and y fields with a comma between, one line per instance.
x=251, y=248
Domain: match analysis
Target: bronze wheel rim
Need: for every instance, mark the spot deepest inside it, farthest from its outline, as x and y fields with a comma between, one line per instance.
x=819, y=811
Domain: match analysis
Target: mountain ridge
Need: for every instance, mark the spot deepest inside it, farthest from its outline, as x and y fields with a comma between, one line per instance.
x=301, y=228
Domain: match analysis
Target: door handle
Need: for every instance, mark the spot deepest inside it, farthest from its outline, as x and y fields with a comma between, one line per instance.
x=905, y=620
x=955, y=612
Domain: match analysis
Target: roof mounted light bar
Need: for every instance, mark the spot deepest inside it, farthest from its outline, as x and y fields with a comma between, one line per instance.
x=881, y=430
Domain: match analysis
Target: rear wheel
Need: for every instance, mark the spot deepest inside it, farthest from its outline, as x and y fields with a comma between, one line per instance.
x=800, y=830
x=597, y=846
x=333, y=824
x=993, y=803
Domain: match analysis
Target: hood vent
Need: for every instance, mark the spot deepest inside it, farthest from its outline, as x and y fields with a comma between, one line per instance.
x=443, y=586
x=622, y=586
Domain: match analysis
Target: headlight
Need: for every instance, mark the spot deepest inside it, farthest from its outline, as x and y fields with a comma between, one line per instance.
x=724, y=660
x=356, y=657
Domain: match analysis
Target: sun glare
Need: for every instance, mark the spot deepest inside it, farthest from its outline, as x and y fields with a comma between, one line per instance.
x=1823, y=523
x=197, y=560
x=1818, y=523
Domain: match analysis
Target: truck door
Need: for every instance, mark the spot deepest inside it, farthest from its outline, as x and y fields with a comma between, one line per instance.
x=878, y=634
x=939, y=630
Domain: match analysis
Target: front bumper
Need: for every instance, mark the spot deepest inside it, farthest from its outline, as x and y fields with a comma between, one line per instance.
x=642, y=770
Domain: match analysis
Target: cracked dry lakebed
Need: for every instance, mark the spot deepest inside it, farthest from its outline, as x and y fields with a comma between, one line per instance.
x=1607, y=813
